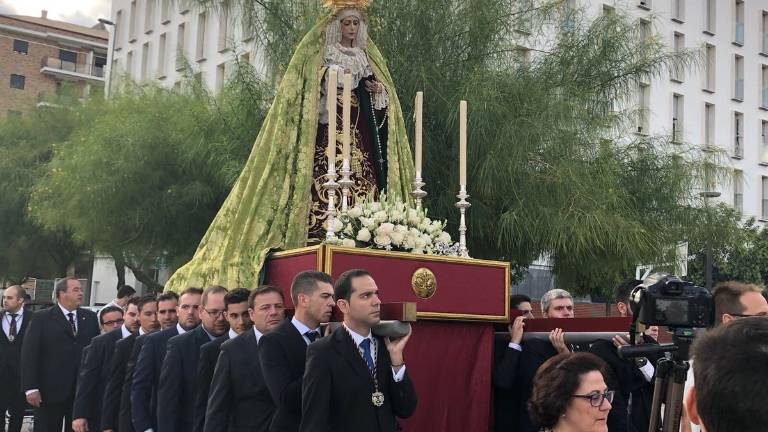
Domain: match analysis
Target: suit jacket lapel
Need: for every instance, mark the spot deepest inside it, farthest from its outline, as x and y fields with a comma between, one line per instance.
x=59, y=316
x=346, y=348
x=3, y=337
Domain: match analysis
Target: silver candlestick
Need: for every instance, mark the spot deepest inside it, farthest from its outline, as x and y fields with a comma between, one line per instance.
x=418, y=194
x=463, y=205
x=331, y=187
x=346, y=184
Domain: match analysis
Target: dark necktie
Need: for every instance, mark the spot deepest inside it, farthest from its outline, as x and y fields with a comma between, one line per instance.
x=312, y=335
x=366, y=345
x=72, y=323
x=12, y=332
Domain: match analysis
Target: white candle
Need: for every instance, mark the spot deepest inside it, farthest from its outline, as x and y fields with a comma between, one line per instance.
x=332, y=84
x=347, y=114
x=419, y=107
x=463, y=144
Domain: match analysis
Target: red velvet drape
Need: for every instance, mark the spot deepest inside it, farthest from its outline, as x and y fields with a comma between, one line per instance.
x=450, y=365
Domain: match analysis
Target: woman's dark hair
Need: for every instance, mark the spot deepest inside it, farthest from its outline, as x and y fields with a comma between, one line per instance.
x=556, y=381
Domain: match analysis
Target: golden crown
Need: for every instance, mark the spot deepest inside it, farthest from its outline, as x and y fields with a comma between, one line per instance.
x=341, y=4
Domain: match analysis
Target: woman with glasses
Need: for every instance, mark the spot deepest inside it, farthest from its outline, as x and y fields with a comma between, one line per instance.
x=570, y=394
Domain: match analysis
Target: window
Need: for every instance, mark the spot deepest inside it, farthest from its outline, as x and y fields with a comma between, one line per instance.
x=180, y=53
x=644, y=97
x=764, y=213
x=200, y=51
x=165, y=11
x=522, y=56
x=523, y=16
x=738, y=73
x=764, y=25
x=161, y=56
x=149, y=16
x=738, y=22
x=98, y=65
x=118, y=28
x=738, y=135
x=67, y=56
x=144, y=62
x=764, y=142
x=738, y=191
x=245, y=58
x=710, y=66
x=764, y=88
x=710, y=14
x=223, y=36
x=132, y=28
x=183, y=6
x=678, y=45
x=645, y=4
x=644, y=31
x=678, y=10
x=709, y=125
x=608, y=10
x=21, y=46
x=17, y=81
x=129, y=63
x=220, y=76
x=677, y=118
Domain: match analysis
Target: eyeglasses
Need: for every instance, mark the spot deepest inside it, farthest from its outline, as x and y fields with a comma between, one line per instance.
x=596, y=399
x=215, y=312
x=113, y=322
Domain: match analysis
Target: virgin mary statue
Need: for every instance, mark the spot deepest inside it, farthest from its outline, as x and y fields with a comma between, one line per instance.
x=278, y=201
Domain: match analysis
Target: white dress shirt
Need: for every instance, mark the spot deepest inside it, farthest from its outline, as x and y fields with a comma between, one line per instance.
x=358, y=338
x=7, y=322
x=258, y=334
x=125, y=332
x=66, y=315
x=304, y=329
x=232, y=334
x=180, y=329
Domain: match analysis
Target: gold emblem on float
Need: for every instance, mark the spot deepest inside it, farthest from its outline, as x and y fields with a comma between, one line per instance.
x=424, y=283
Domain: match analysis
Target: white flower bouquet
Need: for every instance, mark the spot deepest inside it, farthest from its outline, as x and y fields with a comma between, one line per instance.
x=392, y=226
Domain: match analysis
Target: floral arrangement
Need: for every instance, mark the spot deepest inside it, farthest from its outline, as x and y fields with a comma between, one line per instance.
x=392, y=226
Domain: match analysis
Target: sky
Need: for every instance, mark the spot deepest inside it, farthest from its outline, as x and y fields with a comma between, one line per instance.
x=83, y=12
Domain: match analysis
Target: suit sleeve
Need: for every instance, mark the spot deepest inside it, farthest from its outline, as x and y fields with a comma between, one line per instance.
x=87, y=379
x=141, y=388
x=277, y=375
x=169, y=388
x=220, y=397
x=30, y=352
x=204, y=374
x=113, y=391
x=505, y=371
x=402, y=394
x=316, y=393
x=618, y=416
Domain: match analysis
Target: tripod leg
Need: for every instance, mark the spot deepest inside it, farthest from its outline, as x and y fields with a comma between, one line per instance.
x=659, y=393
x=674, y=405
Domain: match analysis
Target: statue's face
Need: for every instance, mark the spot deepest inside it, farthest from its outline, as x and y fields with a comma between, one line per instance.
x=349, y=28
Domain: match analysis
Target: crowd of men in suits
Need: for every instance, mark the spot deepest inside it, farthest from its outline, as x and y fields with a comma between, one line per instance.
x=206, y=361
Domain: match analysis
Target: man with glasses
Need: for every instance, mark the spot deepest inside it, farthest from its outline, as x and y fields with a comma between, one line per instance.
x=177, y=389
x=94, y=373
x=149, y=363
x=236, y=313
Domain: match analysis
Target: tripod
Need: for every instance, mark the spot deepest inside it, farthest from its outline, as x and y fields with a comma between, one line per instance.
x=669, y=385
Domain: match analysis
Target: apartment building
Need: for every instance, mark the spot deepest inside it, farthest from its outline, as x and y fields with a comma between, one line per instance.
x=39, y=57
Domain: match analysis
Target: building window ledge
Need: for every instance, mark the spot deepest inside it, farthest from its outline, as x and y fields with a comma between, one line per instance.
x=678, y=20
x=738, y=44
x=676, y=79
x=706, y=90
x=737, y=99
x=763, y=163
x=147, y=32
x=644, y=6
x=200, y=59
x=132, y=40
x=708, y=32
x=763, y=107
x=735, y=156
x=165, y=21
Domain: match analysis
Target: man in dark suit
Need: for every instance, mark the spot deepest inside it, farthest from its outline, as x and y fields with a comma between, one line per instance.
x=236, y=306
x=356, y=382
x=178, y=384
x=94, y=370
x=147, y=323
x=149, y=363
x=15, y=324
x=282, y=352
x=239, y=400
x=51, y=354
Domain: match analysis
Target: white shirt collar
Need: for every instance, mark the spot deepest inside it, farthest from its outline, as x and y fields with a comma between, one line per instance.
x=125, y=332
x=66, y=312
x=210, y=336
x=19, y=313
x=232, y=334
x=141, y=331
x=301, y=327
x=257, y=333
x=358, y=338
x=180, y=329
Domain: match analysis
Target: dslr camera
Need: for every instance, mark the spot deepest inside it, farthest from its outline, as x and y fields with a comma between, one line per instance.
x=666, y=300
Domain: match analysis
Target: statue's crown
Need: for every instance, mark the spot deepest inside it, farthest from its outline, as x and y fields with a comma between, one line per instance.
x=341, y=4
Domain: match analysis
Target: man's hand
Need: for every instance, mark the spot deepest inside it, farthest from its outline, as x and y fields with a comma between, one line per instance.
x=396, y=348
x=516, y=330
x=557, y=339
x=80, y=425
x=35, y=399
x=620, y=340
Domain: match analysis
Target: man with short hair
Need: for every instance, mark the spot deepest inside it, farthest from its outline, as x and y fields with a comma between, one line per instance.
x=177, y=388
x=522, y=303
x=283, y=351
x=124, y=294
x=114, y=394
x=239, y=399
x=236, y=314
x=51, y=355
x=149, y=362
x=353, y=369
x=94, y=370
x=110, y=318
x=731, y=365
x=14, y=326
x=166, y=309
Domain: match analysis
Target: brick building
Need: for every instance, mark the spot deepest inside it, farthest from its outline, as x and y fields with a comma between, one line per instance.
x=40, y=58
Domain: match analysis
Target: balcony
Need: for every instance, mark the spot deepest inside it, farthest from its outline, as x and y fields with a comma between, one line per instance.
x=71, y=70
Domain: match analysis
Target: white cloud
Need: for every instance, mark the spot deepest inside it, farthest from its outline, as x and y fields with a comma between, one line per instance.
x=83, y=12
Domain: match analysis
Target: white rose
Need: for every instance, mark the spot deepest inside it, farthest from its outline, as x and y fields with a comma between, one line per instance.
x=385, y=228
x=414, y=232
x=427, y=239
x=397, y=238
x=409, y=242
x=338, y=225
x=355, y=212
x=419, y=243
x=348, y=242
x=382, y=240
x=413, y=217
x=435, y=226
x=444, y=237
x=380, y=216
x=424, y=224
x=348, y=230
x=367, y=222
x=364, y=235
